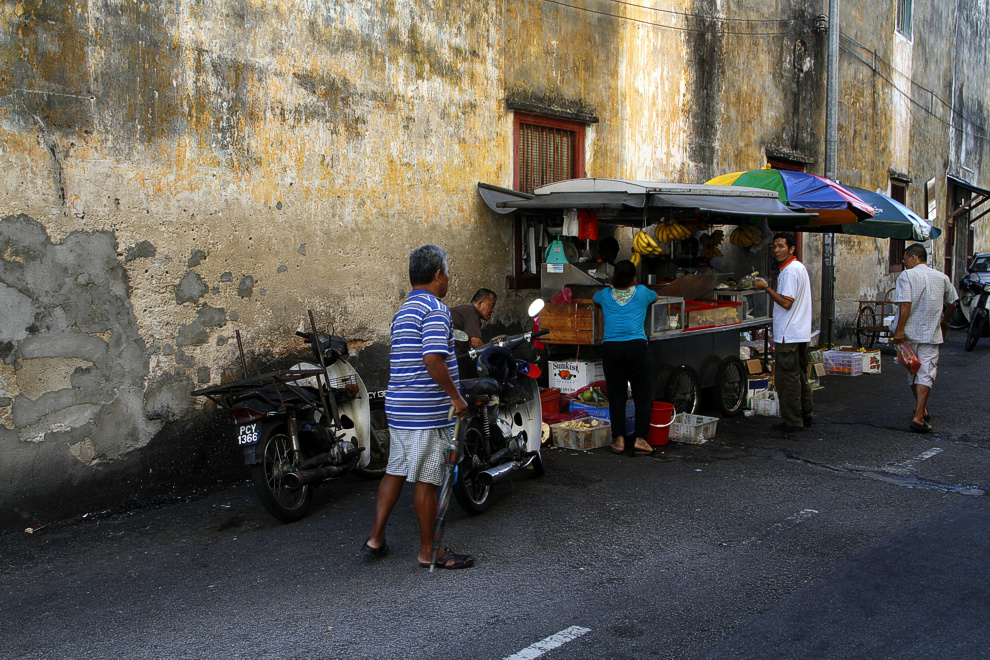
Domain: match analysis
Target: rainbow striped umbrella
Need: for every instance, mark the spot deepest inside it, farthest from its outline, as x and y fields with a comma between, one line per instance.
x=834, y=204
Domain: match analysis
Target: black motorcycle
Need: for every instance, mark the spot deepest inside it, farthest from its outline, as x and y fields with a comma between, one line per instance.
x=502, y=432
x=304, y=425
x=979, y=313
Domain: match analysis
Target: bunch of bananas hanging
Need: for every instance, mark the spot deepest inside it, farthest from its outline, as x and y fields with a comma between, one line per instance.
x=746, y=236
x=643, y=243
x=677, y=231
x=710, y=243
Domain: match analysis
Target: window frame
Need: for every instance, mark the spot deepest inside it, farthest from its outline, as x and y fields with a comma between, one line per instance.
x=904, y=18
x=520, y=279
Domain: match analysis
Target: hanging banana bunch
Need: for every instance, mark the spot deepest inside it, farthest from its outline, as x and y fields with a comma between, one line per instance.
x=675, y=231
x=710, y=244
x=746, y=236
x=643, y=243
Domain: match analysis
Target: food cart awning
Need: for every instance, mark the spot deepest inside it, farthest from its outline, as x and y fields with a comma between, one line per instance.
x=629, y=201
x=495, y=194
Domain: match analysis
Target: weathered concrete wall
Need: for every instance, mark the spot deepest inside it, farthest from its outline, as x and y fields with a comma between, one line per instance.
x=172, y=172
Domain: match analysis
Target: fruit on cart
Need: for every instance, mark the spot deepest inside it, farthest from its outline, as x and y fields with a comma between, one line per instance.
x=746, y=236
x=583, y=423
x=710, y=244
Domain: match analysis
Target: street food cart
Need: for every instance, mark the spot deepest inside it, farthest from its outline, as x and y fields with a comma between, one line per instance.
x=695, y=328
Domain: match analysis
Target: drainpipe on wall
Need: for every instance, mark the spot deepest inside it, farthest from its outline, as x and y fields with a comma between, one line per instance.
x=831, y=150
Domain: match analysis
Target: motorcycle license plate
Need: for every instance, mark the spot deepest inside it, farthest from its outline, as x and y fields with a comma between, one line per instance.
x=248, y=434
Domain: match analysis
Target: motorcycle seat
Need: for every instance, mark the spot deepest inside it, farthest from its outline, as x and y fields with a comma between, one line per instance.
x=480, y=387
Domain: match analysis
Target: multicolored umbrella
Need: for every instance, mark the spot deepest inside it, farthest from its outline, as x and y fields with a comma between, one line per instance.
x=834, y=204
x=891, y=220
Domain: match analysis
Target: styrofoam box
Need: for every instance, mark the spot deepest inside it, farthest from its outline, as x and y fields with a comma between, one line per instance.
x=843, y=363
x=755, y=385
x=572, y=375
x=693, y=429
x=766, y=404
x=581, y=439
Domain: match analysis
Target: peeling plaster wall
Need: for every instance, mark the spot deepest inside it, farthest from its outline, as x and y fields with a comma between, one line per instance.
x=173, y=172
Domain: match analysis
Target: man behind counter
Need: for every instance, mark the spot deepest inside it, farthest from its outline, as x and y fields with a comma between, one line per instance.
x=468, y=318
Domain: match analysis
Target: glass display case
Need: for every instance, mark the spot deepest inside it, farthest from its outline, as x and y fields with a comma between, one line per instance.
x=755, y=303
x=665, y=315
x=708, y=313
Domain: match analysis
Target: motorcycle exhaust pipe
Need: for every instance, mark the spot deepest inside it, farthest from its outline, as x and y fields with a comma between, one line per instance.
x=491, y=475
x=316, y=475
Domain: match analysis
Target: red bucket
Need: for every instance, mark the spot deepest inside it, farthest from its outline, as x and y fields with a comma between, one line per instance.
x=661, y=417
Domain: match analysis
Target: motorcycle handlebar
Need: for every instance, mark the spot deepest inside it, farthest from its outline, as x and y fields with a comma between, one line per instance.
x=507, y=342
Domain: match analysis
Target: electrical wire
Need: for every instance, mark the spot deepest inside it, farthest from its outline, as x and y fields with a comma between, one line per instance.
x=952, y=111
x=676, y=27
x=726, y=20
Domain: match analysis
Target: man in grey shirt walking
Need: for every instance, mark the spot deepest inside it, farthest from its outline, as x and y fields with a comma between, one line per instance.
x=926, y=301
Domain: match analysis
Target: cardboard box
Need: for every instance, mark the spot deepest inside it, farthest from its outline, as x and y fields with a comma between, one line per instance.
x=570, y=376
x=754, y=367
x=871, y=362
x=600, y=410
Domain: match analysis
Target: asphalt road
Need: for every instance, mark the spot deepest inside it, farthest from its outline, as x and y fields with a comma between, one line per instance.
x=857, y=539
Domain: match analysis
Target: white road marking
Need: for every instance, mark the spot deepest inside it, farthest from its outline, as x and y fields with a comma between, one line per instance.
x=549, y=644
x=905, y=467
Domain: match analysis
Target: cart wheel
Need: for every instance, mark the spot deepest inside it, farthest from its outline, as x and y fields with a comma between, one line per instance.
x=682, y=390
x=730, y=387
x=866, y=335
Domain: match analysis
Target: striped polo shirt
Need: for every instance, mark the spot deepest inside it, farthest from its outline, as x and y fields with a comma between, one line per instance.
x=420, y=327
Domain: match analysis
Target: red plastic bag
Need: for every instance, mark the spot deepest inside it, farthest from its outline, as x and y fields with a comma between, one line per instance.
x=907, y=357
x=562, y=296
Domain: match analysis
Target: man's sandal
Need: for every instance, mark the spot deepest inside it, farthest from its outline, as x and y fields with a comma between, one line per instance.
x=377, y=553
x=451, y=560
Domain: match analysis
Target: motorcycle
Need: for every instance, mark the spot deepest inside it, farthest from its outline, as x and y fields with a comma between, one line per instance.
x=502, y=432
x=304, y=425
x=978, y=303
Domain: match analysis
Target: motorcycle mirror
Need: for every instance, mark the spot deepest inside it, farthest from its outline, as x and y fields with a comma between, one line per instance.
x=536, y=307
x=460, y=335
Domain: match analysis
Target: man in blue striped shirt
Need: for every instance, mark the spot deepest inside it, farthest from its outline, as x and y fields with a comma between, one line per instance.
x=421, y=389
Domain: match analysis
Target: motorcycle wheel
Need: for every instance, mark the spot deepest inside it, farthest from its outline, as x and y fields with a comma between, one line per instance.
x=380, y=445
x=471, y=495
x=538, y=469
x=958, y=320
x=275, y=458
x=975, y=331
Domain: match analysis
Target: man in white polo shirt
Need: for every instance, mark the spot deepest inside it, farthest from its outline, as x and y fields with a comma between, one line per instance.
x=791, y=334
x=926, y=301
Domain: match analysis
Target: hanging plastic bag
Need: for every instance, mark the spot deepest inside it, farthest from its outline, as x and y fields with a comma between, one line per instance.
x=907, y=357
x=562, y=296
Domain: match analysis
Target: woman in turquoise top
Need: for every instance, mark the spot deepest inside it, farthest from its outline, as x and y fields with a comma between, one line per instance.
x=626, y=356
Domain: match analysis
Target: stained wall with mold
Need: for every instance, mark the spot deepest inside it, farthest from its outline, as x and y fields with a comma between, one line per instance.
x=173, y=172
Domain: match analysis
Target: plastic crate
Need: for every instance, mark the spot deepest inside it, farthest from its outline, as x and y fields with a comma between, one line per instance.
x=693, y=429
x=766, y=404
x=582, y=439
x=843, y=363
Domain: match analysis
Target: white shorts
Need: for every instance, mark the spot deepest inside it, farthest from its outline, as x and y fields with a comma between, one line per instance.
x=417, y=454
x=928, y=356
